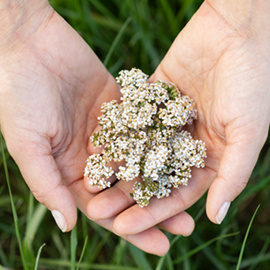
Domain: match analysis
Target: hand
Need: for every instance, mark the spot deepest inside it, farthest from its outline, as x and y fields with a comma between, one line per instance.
x=222, y=63
x=52, y=88
x=52, y=85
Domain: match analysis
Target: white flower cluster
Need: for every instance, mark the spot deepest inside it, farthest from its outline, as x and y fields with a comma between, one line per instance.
x=144, y=130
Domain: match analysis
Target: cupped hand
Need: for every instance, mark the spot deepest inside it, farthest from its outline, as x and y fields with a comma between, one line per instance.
x=224, y=66
x=52, y=88
x=52, y=85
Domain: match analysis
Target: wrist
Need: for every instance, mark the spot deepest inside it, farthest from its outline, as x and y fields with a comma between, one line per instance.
x=21, y=18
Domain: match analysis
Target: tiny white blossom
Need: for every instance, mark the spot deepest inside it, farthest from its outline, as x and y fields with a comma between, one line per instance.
x=145, y=132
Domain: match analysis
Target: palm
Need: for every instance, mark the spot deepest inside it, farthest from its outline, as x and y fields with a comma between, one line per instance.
x=214, y=64
x=78, y=87
x=55, y=85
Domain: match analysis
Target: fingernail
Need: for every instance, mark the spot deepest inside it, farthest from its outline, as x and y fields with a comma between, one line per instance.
x=222, y=212
x=60, y=220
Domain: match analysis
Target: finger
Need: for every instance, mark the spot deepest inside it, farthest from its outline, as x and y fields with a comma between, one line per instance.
x=96, y=189
x=112, y=201
x=236, y=166
x=44, y=179
x=180, y=224
x=136, y=219
x=151, y=241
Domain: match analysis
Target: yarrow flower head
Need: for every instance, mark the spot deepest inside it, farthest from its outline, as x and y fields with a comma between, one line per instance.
x=145, y=131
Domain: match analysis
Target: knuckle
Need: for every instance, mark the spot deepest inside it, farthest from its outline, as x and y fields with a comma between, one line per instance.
x=239, y=186
x=179, y=200
x=40, y=196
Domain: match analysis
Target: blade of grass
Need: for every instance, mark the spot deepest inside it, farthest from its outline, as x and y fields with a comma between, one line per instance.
x=83, y=251
x=166, y=7
x=245, y=239
x=35, y=221
x=96, y=250
x=30, y=209
x=177, y=237
x=4, y=150
x=169, y=261
x=73, y=247
x=139, y=257
x=116, y=41
x=254, y=263
x=14, y=212
x=199, y=248
x=255, y=260
x=38, y=256
x=186, y=263
x=3, y=257
x=33, y=224
x=102, y=8
x=53, y=263
x=119, y=251
x=216, y=262
x=160, y=263
x=60, y=247
x=264, y=182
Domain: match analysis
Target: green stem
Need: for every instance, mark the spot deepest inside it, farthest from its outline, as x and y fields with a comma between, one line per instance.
x=14, y=212
x=245, y=239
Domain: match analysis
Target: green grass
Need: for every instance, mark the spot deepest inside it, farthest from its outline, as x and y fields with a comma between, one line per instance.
x=124, y=34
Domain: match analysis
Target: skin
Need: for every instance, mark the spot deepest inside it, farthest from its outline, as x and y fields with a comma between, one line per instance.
x=52, y=88
x=49, y=104
x=221, y=60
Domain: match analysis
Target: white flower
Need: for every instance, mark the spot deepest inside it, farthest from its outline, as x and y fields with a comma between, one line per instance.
x=97, y=172
x=155, y=162
x=144, y=131
x=178, y=112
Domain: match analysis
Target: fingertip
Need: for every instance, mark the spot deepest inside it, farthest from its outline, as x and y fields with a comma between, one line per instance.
x=60, y=220
x=61, y=203
x=131, y=221
x=219, y=198
x=92, y=149
x=152, y=241
x=44, y=179
x=90, y=188
x=97, y=209
x=180, y=224
x=63, y=209
x=187, y=225
x=63, y=220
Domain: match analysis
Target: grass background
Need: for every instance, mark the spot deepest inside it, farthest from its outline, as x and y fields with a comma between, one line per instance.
x=126, y=33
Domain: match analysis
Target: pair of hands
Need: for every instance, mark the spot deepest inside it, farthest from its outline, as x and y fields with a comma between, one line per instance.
x=52, y=88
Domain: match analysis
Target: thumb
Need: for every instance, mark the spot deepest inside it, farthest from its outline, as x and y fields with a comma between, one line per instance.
x=238, y=160
x=43, y=177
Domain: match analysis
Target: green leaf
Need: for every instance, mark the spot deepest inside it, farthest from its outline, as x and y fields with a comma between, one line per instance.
x=245, y=239
x=201, y=247
x=139, y=257
x=14, y=211
x=73, y=247
x=83, y=251
x=38, y=256
x=116, y=41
